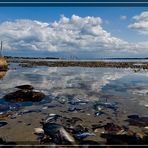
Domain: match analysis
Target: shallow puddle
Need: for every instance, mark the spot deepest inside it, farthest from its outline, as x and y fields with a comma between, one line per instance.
x=77, y=96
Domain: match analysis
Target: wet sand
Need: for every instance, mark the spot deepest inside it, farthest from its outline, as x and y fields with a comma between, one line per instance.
x=21, y=128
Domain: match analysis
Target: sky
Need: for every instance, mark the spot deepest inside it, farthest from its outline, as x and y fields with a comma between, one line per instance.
x=74, y=32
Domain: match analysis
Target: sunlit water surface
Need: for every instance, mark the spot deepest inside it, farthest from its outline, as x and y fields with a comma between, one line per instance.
x=124, y=86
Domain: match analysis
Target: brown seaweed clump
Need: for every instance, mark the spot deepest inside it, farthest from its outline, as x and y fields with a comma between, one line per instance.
x=3, y=64
x=2, y=74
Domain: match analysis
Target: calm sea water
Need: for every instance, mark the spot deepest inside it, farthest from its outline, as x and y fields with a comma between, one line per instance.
x=128, y=88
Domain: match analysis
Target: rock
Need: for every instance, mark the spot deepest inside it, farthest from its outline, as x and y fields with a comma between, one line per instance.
x=135, y=120
x=2, y=123
x=112, y=128
x=123, y=139
x=25, y=87
x=115, y=134
x=24, y=95
x=133, y=117
x=58, y=133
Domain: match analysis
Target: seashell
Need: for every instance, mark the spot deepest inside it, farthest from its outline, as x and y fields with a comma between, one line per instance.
x=38, y=130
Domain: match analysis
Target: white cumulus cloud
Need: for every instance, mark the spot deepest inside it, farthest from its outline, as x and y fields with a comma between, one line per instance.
x=74, y=34
x=140, y=23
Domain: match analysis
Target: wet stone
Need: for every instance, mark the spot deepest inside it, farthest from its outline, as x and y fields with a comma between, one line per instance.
x=135, y=120
x=24, y=95
x=111, y=127
x=123, y=139
x=25, y=87
x=3, y=123
x=58, y=133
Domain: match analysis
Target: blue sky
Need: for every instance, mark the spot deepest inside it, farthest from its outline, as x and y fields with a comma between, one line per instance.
x=114, y=20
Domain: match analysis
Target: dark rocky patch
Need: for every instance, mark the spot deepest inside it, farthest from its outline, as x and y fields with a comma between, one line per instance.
x=24, y=95
x=137, y=121
x=25, y=87
x=2, y=123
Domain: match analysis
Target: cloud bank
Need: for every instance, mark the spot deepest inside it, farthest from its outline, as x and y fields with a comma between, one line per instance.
x=75, y=34
x=140, y=23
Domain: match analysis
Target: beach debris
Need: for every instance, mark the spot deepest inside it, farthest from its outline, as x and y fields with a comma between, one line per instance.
x=49, y=106
x=73, y=108
x=52, y=117
x=124, y=139
x=135, y=120
x=2, y=74
x=96, y=126
x=2, y=123
x=113, y=128
x=45, y=107
x=72, y=121
x=29, y=111
x=24, y=95
x=75, y=119
x=146, y=127
x=3, y=64
x=81, y=136
x=6, y=115
x=58, y=133
x=98, y=113
x=77, y=102
x=25, y=87
x=98, y=106
x=38, y=131
x=116, y=134
x=61, y=99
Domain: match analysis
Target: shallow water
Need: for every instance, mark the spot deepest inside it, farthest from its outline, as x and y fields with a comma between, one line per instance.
x=125, y=87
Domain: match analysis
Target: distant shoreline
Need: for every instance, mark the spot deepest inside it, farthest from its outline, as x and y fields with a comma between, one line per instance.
x=78, y=63
x=76, y=59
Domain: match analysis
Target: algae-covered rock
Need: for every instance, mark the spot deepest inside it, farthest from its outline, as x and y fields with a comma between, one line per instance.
x=3, y=64
x=24, y=95
x=2, y=74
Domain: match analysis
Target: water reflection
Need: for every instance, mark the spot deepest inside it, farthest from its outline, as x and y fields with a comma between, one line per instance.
x=81, y=83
